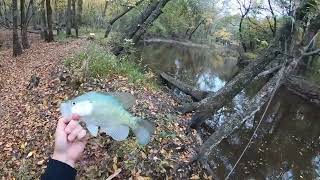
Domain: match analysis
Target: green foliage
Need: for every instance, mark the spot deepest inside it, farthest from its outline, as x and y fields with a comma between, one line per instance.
x=249, y=56
x=180, y=16
x=105, y=64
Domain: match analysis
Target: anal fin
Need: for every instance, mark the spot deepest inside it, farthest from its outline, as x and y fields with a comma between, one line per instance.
x=118, y=133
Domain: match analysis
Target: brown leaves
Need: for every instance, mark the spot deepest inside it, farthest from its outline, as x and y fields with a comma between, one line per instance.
x=28, y=126
x=30, y=115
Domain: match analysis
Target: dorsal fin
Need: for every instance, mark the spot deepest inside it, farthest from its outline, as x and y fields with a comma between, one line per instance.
x=127, y=100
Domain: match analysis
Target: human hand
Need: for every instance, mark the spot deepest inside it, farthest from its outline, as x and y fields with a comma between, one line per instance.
x=70, y=141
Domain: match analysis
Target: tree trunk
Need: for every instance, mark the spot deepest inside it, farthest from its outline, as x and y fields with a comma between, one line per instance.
x=24, y=26
x=241, y=35
x=111, y=22
x=30, y=12
x=196, y=94
x=74, y=13
x=303, y=88
x=44, y=29
x=134, y=27
x=68, y=19
x=105, y=8
x=17, y=49
x=139, y=27
x=145, y=26
x=195, y=29
x=79, y=17
x=49, y=20
x=274, y=27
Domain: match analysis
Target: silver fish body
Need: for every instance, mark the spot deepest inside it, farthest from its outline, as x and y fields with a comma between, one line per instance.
x=109, y=112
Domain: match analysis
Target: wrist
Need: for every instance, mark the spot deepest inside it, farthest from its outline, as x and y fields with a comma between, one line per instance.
x=63, y=158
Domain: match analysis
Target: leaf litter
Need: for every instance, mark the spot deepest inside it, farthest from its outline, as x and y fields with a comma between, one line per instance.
x=29, y=117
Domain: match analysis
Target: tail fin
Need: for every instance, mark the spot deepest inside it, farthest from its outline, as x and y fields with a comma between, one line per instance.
x=143, y=131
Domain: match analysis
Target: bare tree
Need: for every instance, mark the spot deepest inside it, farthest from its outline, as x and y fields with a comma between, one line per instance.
x=244, y=9
x=196, y=28
x=44, y=29
x=105, y=8
x=24, y=26
x=49, y=21
x=79, y=16
x=68, y=18
x=17, y=49
x=273, y=27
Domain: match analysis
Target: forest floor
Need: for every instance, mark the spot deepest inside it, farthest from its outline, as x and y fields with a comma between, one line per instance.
x=28, y=119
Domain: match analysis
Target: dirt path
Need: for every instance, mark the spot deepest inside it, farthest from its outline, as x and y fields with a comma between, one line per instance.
x=24, y=114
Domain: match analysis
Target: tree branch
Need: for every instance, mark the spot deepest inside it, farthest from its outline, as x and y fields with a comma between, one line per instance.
x=315, y=52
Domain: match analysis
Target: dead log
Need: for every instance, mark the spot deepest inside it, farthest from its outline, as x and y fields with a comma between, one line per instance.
x=237, y=119
x=196, y=94
x=303, y=88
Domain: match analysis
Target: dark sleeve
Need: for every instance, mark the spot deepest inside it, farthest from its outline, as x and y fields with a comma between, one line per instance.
x=57, y=170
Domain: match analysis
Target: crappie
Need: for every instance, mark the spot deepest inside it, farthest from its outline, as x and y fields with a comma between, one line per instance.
x=108, y=111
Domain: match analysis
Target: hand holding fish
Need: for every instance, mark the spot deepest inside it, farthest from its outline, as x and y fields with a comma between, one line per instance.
x=69, y=141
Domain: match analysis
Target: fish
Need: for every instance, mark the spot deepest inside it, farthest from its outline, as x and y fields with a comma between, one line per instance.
x=109, y=112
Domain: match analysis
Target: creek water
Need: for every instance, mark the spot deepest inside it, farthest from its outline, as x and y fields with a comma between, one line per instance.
x=287, y=144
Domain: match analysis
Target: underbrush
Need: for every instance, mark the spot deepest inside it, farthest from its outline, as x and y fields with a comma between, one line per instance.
x=96, y=62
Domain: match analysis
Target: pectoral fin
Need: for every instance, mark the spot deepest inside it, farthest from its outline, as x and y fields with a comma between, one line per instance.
x=118, y=133
x=92, y=129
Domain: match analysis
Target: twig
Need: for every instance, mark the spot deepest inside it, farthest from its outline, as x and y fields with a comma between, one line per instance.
x=317, y=51
x=269, y=71
x=311, y=42
x=115, y=174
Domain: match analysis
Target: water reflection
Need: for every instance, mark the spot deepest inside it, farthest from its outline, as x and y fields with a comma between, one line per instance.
x=316, y=166
x=210, y=82
x=207, y=70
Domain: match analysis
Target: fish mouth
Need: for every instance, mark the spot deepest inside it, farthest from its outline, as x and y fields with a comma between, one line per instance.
x=65, y=109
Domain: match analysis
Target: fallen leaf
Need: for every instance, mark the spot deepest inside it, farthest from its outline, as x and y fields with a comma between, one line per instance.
x=195, y=177
x=116, y=173
x=40, y=162
x=30, y=154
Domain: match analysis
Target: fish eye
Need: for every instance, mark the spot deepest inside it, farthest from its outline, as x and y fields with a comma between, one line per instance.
x=73, y=103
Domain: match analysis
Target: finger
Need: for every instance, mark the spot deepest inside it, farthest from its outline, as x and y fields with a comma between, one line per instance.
x=82, y=134
x=71, y=126
x=75, y=132
x=61, y=124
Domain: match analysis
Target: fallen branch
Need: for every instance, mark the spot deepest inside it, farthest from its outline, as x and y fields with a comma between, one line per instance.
x=170, y=41
x=303, y=88
x=269, y=71
x=196, y=94
x=315, y=52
